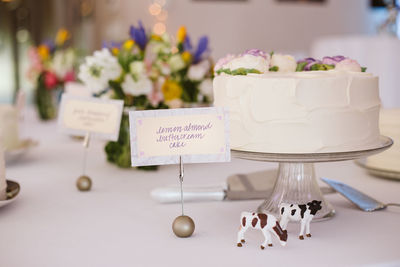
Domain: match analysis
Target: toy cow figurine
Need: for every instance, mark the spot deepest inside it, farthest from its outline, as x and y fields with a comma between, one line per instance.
x=299, y=212
x=266, y=223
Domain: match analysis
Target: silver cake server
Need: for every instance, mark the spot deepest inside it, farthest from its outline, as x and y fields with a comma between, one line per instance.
x=361, y=200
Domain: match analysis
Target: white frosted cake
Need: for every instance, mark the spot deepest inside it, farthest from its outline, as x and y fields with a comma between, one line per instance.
x=320, y=107
x=9, y=126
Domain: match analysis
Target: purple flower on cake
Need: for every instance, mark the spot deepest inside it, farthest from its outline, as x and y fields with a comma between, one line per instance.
x=310, y=61
x=256, y=53
x=222, y=62
x=332, y=60
x=348, y=65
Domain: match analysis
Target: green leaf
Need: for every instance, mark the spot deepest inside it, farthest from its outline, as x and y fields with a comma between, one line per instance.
x=271, y=54
x=301, y=66
x=363, y=69
x=274, y=68
x=227, y=71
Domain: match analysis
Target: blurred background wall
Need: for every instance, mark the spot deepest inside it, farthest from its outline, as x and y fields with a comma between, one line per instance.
x=232, y=25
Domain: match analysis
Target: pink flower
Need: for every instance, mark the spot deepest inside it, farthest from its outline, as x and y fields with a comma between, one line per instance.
x=155, y=97
x=50, y=80
x=348, y=65
x=69, y=76
x=223, y=61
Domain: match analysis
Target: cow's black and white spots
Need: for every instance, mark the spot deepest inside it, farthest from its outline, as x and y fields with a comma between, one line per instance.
x=299, y=212
x=266, y=223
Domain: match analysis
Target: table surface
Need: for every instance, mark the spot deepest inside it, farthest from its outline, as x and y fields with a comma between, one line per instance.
x=118, y=224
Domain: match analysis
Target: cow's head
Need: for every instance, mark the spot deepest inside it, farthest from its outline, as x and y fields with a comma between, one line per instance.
x=314, y=206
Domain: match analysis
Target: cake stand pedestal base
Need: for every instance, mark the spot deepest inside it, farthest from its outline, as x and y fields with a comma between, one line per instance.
x=296, y=183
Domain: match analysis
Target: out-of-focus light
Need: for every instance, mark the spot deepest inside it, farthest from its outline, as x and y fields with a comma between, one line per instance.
x=159, y=28
x=163, y=15
x=22, y=35
x=160, y=2
x=154, y=9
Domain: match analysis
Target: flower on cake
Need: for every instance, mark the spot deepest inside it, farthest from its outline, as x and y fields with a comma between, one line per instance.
x=251, y=61
x=259, y=62
x=282, y=63
x=348, y=65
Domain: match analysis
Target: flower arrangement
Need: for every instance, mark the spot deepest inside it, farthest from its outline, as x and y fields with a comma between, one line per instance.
x=148, y=71
x=257, y=61
x=53, y=64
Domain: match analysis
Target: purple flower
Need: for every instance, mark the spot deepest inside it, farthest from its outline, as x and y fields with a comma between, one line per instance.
x=111, y=45
x=187, y=44
x=202, y=47
x=310, y=61
x=138, y=35
x=255, y=52
x=50, y=44
x=332, y=60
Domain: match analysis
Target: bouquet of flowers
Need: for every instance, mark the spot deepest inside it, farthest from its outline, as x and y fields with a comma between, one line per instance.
x=52, y=65
x=148, y=71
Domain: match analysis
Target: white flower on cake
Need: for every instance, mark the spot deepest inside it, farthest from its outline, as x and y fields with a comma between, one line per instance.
x=206, y=88
x=176, y=62
x=250, y=60
x=198, y=71
x=141, y=86
x=348, y=65
x=284, y=63
x=99, y=69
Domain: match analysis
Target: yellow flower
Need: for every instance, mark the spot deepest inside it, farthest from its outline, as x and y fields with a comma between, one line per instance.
x=156, y=37
x=186, y=56
x=43, y=51
x=171, y=90
x=115, y=51
x=181, y=34
x=128, y=44
x=62, y=36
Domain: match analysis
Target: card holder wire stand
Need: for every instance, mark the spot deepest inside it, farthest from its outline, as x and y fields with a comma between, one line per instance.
x=183, y=225
x=84, y=183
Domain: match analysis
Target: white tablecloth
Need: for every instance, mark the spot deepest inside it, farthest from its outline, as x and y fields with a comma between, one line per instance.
x=118, y=224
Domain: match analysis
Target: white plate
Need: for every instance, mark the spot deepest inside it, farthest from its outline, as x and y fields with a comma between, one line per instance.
x=13, y=189
x=381, y=172
x=16, y=153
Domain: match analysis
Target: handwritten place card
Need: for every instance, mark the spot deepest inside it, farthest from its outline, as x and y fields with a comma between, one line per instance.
x=79, y=115
x=199, y=135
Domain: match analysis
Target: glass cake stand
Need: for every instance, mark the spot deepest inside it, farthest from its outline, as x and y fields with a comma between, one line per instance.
x=296, y=182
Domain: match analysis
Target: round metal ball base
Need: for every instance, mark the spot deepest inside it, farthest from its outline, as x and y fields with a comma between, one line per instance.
x=183, y=226
x=296, y=182
x=84, y=183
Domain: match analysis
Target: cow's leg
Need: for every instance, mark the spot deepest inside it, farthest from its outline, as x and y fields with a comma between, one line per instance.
x=240, y=236
x=267, y=240
x=284, y=222
x=303, y=224
x=308, y=233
